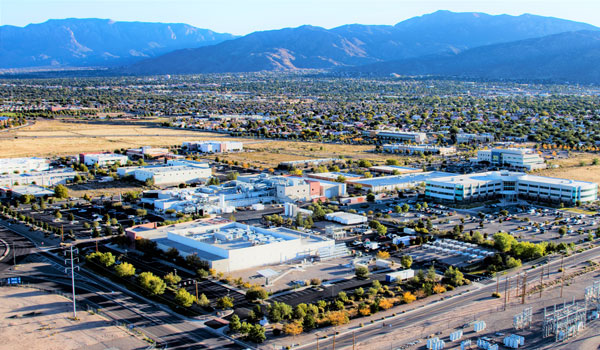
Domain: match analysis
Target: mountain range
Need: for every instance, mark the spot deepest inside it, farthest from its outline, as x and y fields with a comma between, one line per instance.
x=96, y=42
x=474, y=45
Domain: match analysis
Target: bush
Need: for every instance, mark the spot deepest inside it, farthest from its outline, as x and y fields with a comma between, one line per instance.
x=496, y=295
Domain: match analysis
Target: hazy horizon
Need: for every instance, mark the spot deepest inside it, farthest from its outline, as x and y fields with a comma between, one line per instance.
x=243, y=17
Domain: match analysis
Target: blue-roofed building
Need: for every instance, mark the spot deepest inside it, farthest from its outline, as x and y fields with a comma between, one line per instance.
x=395, y=182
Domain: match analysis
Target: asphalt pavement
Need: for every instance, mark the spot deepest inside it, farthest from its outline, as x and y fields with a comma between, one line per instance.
x=167, y=328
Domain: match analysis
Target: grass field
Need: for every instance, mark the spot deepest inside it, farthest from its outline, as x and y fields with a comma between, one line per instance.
x=51, y=137
x=570, y=168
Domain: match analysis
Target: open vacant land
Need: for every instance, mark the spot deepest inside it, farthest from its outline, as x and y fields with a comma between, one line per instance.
x=52, y=137
x=33, y=320
x=570, y=168
x=271, y=153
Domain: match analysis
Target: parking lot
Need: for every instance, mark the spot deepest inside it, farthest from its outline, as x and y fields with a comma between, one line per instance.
x=535, y=225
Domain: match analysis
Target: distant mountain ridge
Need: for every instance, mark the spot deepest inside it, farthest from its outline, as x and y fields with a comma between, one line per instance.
x=309, y=47
x=470, y=44
x=564, y=57
x=96, y=42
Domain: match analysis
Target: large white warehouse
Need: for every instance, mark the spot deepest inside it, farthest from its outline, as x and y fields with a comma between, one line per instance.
x=174, y=172
x=230, y=246
x=23, y=165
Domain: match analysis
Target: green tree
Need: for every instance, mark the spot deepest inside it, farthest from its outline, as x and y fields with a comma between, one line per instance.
x=125, y=269
x=203, y=300
x=503, y=241
x=361, y=272
x=60, y=191
x=172, y=279
x=225, y=303
x=152, y=283
x=406, y=261
x=279, y=311
x=234, y=324
x=257, y=334
x=184, y=298
x=454, y=276
x=256, y=293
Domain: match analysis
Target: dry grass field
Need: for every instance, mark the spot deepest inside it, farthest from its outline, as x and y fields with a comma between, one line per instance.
x=271, y=153
x=570, y=168
x=51, y=137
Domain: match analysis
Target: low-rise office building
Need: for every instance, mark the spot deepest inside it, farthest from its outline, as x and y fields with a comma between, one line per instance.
x=213, y=146
x=397, y=135
x=148, y=152
x=230, y=246
x=425, y=149
x=396, y=182
x=103, y=159
x=346, y=218
x=41, y=178
x=518, y=158
x=510, y=186
x=474, y=138
x=23, y=165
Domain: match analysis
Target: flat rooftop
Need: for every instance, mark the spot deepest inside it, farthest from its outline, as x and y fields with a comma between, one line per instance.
x=392, y=168
x=401, y=179
x=236, y=236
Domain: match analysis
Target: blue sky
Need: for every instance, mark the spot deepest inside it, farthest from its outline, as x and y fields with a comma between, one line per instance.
x=245, y=16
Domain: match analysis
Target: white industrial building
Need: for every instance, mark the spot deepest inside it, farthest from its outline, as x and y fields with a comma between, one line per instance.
x=104, y=159
x=230, y=246
x=410, y=149
x=395, y=182
x=397, y=135
x=394, y=169
x=41, y=178
x=346, y=218
x=23, y=165
x=511, y=186
x=174, y=172
x=213, y=146
x=519, y=158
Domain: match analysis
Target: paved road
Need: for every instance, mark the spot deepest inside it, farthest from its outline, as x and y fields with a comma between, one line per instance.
x=345, y=340
x=167, y=328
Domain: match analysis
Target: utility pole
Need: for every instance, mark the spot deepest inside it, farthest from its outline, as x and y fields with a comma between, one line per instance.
x=72, y=269
x=505, y=291
x=317, y=342
x=334, y=340
x=517, y=289
x=196, y=290
x=14, y=256
x=497, y=282
x=353, y=340
x=542, y=281
x=562, y=283
x=524, y=288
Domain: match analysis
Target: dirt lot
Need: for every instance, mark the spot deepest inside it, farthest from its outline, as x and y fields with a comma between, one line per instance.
x=52, y=328
x=51, y=137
